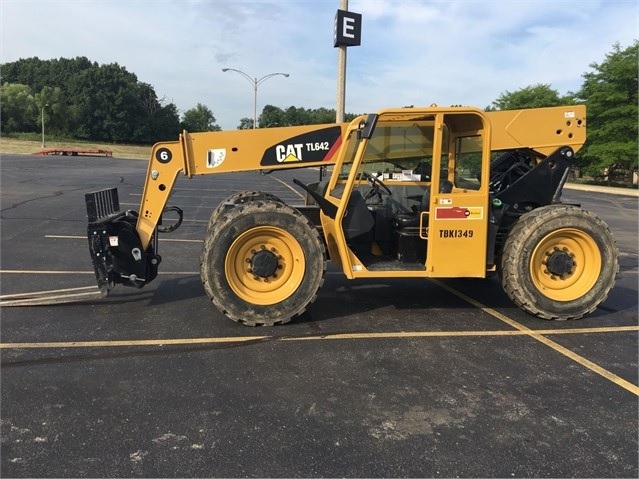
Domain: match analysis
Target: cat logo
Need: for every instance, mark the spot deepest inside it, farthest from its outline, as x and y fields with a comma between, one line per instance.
x=289, y=153
x=315, y=146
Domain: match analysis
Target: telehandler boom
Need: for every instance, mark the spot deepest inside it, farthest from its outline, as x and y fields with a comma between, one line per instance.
x=412, y=192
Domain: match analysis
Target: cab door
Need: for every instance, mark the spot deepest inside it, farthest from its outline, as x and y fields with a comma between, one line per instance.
x=458, y=219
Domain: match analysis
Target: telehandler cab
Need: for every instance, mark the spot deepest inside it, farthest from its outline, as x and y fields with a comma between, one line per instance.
x=412, y=192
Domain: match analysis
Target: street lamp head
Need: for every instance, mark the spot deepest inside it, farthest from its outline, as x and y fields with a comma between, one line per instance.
x=286, y=75
x=255, y=82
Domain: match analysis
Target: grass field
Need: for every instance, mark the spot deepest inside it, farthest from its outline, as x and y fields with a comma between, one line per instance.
x=28, y=147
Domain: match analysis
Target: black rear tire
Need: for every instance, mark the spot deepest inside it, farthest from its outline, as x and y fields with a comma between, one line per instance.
x=559, y=262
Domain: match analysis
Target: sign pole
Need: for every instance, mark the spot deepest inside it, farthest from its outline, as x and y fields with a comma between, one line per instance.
x=340, y=109
x=347, y=33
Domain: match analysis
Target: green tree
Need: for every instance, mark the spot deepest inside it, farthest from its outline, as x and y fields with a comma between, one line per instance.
x=106, y=105
x=165, y=124
x=89, y=101
x=299, y=116
x=199, y=118
x=55, y=109
x=533, y=96
x=245, y=124
x=19, y=109
x=610, y=92
x=273, y=116
x=157, y=120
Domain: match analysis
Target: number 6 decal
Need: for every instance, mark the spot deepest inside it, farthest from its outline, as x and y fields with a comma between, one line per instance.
x=163, y=155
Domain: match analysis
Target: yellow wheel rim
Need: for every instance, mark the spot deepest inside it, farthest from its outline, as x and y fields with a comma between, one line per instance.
x=565, y=264
x=265, y=265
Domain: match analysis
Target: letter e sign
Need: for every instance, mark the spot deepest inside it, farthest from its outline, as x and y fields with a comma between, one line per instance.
x=348, y=29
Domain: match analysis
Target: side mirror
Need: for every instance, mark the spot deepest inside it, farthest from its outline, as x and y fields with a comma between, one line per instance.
x=366, y=128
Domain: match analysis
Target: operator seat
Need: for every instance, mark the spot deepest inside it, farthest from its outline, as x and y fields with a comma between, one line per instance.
x=358, y=219
x=407, y=220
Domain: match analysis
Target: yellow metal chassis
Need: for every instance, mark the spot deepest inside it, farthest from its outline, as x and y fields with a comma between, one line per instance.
x=543, y=130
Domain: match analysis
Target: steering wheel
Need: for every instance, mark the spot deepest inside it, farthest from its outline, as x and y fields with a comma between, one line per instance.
x=376, y=184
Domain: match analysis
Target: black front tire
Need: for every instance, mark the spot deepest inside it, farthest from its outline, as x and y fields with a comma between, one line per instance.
x=262, y=263
x=238, y=198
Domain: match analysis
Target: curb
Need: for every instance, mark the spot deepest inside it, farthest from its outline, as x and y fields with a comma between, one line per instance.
x=603, y=189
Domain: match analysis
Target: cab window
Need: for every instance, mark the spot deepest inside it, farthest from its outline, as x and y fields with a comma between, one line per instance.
x=401, y=150
x=468, y=154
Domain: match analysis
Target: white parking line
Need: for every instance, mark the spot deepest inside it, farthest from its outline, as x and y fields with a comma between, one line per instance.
x=168, y=240
x=539, y=336
x=321, y=337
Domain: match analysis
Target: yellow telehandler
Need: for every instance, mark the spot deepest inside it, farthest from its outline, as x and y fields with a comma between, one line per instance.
x=429, y=192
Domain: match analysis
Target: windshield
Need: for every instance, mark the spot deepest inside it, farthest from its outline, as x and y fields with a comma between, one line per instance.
x=401, y=151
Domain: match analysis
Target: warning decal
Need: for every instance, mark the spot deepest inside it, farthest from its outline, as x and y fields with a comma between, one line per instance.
x=459, y=213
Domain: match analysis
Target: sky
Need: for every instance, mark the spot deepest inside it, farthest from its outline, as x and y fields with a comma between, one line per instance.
x=412, y=52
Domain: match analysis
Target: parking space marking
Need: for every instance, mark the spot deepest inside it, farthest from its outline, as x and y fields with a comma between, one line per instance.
x=313, y=337
x=538, y=336
x=519, y=330
x=130, y=343
x=172, y=240
x=51, y=291
x=184, y=188
x=445, y=334
x=27, y=271
x=289, y=187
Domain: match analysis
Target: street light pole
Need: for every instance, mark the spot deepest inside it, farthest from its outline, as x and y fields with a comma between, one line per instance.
x=43, y=107
x=255, y=82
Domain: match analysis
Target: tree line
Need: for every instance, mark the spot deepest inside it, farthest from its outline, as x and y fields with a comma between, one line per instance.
x=83, y=100
x=87, y=101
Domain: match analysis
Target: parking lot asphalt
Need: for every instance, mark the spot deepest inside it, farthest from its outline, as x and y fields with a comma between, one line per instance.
x=379, y=378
